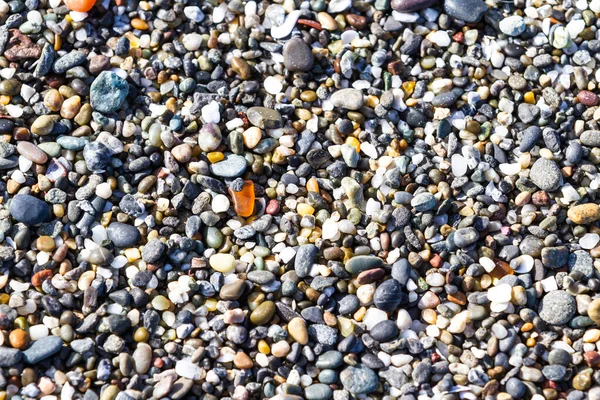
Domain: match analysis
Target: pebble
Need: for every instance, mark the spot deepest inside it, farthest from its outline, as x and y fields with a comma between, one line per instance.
x=108, y=92
x=350, y=99
x=297, y=55
x=557, y=307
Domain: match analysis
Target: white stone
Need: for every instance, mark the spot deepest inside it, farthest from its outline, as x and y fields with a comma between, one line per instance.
x=220, y=203
x=459, y=165
x=194, y=13
x=37, y=332
x=500, y=293
x=210, y=113
x=522, y=264
x=510, y=169
x=440, y=38
x=589, y=240
x=487, y=263
x=273, y=85
x=288, y=25
x=373, y=316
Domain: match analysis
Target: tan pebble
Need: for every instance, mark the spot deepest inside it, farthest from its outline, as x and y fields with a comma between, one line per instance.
x=70, y=107
x=327, y=22
x=251, y=137
x=584, y=213
x=280, y=349
x=297, y=329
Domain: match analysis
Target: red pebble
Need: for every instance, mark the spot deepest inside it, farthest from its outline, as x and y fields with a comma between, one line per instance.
x=158, y=362
x=311, y=23
x=458, y=37
x=272, y=207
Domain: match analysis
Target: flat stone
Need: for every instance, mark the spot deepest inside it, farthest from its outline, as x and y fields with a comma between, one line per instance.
x=358, y=264
x=42, y=349
x=231, y=166
x=264, y=118
x=408, y=6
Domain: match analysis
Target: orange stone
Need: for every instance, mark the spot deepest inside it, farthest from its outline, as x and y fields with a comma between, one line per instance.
x=243, y=201
x=40, y=277
x=80, y=5
x=502, y=269
x=19, y=339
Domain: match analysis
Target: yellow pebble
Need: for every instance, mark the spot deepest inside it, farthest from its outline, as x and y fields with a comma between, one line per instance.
x=305, y=209
x=529, y=97
x=215, y=156
x=211, y=304
x=4, y=100
x=133, y=254
x=263, y=347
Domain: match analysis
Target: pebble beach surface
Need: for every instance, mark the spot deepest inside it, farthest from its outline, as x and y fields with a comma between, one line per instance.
x=290, y=200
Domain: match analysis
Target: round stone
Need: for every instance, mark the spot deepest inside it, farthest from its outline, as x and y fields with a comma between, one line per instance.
x=557, y=307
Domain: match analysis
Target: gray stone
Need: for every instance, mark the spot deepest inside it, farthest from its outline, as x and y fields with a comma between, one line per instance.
x=42, y=349
x=546, y=175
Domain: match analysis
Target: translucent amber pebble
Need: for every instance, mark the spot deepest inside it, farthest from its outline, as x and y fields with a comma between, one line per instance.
x=502, y=269
x=243, y=201
x=80, y=5
x=305, y=209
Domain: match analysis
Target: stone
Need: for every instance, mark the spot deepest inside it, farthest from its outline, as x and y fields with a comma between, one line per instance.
x=231, y=166
x=350, y=99
x=384, y=331
x=408, y=6
x=546, y=175
x=42, y=348
x=264, y=118
x=123, y=235
x=306, y=256
x=358, y=264
x=470, y=11
x=388, y=296
x=243, y=200
x=297, y=55
x=590, y=138
x=557, y=307
x=584, y=214
x=263, y=313
x=29, y=210
x=359, y=379
x=108, y=92
x=10, y=357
